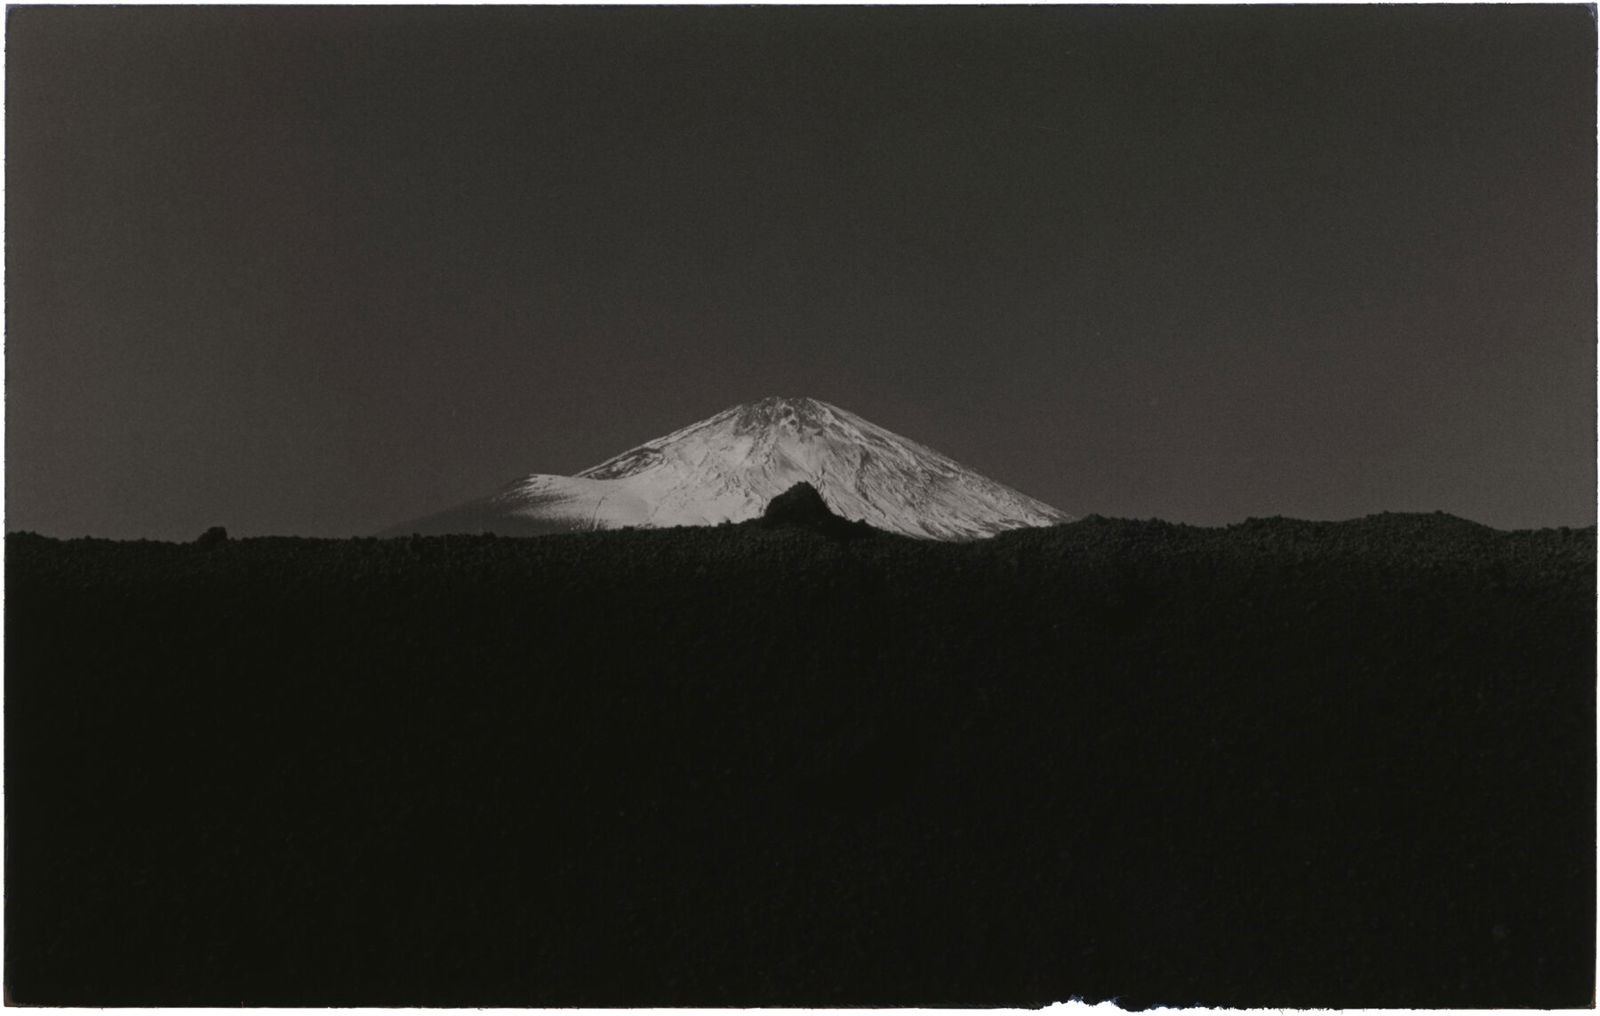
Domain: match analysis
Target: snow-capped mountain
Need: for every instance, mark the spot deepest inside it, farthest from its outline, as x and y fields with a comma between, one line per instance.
x=728, y=466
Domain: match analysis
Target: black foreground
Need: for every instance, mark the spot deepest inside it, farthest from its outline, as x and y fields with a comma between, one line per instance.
x=1278, y=764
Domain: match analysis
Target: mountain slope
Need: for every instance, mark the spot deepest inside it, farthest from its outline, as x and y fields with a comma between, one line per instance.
x=727, y=467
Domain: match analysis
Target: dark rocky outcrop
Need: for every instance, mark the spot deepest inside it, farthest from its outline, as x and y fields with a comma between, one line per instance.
x=799, y=504
x=802, y=507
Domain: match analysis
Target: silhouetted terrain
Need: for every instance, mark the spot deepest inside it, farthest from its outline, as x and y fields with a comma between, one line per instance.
x=1278, y=764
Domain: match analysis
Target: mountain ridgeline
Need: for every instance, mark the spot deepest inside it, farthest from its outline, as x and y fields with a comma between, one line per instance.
x=727, y=467
x=798, y=761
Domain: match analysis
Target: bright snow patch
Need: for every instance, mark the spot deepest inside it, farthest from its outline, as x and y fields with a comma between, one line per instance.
x=727, y=467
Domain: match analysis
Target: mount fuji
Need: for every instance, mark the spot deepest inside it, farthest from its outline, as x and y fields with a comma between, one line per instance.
x=727, y=467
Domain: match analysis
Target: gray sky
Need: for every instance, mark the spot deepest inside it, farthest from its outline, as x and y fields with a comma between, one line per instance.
x=319, y=270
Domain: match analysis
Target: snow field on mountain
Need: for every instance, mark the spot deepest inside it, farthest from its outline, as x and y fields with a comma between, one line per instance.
x=727, y=467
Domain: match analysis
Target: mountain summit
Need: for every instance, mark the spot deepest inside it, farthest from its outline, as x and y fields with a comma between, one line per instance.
x=727, y=467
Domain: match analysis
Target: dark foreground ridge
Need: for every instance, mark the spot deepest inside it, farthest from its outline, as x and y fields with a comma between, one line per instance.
x=1278, y=764
x=802, y=507
x=799, y=504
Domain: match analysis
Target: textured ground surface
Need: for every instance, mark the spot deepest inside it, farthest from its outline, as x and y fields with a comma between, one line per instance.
x=1281, y=764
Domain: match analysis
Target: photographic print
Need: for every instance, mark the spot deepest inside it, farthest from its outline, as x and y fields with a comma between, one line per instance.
x=837, y=506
